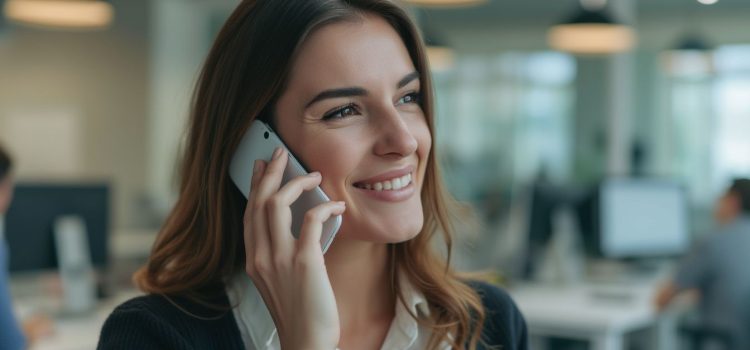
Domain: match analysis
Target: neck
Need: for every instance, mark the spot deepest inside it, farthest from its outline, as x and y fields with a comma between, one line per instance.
x=360, y=276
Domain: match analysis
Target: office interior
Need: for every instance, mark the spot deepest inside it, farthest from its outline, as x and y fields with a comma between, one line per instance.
x=590, y=170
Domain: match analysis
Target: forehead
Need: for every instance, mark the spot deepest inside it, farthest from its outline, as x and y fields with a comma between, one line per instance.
x=360, y=52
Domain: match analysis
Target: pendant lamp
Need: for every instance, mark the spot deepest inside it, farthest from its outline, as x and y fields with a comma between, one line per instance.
x=446, y=3
x=60, y=14
x=691, y=56
x=593, y=32
x=439, y=54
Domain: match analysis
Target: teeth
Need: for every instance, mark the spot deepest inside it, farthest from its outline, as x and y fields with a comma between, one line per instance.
x=393, y=184
x=396, y=183
x=405, y=180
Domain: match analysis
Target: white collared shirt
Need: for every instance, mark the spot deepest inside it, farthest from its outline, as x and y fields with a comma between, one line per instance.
x=259, y=333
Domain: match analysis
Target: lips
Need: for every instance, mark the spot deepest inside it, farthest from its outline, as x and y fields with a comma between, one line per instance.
x=387, y=181
x=388, y=185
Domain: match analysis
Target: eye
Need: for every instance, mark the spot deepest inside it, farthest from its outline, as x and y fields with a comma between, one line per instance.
x=343, y=112
x=412, y=97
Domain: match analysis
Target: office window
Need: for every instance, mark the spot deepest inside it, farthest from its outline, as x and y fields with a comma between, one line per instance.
x=502, y=119
x=731, y=151
x=706, y=138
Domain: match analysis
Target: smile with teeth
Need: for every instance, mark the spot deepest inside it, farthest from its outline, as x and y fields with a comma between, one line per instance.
x=388, y=185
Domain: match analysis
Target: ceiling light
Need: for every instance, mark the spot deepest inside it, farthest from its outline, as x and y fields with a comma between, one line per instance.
x=693, y=42
x=708, y=2
x=446, y=3
x=692, y=56
x=440, y=56
x=591, y=32
x=72, y=14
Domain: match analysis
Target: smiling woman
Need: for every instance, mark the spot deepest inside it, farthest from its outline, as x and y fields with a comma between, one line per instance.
x=345, y=84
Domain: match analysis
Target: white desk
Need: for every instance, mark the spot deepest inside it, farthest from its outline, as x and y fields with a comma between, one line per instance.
x=40, y=292
x=77, y=332
x=600, y=314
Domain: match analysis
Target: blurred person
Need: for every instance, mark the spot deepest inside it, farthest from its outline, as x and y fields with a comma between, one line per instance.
x=11, y=336
x=35, y=326
x=717, y=269
x=345, y=83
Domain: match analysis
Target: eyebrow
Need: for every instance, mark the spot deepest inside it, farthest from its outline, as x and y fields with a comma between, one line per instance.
x=357, y=91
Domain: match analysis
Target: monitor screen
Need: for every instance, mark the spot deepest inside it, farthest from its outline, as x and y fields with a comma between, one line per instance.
x=642, y=218
x=30, y=219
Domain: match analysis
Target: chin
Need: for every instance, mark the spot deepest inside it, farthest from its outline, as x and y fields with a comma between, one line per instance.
x=384, y=231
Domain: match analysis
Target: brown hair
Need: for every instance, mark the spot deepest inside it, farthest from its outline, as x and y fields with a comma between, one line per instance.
x=200, y=244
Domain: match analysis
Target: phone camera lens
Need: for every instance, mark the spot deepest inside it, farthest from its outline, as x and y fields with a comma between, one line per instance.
x=265, y=134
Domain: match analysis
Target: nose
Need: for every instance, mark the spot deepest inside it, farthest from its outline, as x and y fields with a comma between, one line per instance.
x=395, y=138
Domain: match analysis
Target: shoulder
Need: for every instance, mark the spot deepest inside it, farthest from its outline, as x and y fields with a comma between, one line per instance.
x=493, y=297
x=144, y=322
x=136, y=322
x=159, y=322
x=504, y=324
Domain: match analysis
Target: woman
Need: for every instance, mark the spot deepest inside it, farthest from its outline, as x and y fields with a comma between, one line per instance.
x=345, y=84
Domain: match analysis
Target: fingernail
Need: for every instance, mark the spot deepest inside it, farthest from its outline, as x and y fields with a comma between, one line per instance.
x=256, y=166
x=277, y=153
x=314, y=174
x=342, y=203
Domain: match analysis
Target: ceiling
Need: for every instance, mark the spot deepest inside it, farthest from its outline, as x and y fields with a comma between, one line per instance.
x=552, y=11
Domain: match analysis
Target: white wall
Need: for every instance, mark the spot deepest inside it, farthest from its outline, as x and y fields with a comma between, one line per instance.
x=73, y=104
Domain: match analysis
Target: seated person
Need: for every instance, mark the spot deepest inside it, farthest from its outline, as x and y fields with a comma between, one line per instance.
x=11, y=336
x=717, y=267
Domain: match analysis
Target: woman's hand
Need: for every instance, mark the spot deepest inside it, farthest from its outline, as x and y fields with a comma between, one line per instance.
x=290, y=273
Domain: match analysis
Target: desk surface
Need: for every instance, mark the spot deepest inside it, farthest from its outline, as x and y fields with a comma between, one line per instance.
x=586, y=308
x=79, y=332
x=40, y=293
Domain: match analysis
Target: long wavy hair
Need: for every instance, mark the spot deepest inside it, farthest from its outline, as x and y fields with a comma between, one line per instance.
x=200, y=244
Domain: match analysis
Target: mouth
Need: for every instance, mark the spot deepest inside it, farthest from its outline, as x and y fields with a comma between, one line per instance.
x=389, y=181
x=394, y=184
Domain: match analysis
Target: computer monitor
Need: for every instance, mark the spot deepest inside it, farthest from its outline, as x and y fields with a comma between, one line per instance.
x=545, y=201
x=30, y=219
x=637, y=218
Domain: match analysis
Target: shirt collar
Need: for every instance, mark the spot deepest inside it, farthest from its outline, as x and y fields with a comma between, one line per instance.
x=257, y=328
x=413, y=298
x=251, y=314
x=405, y=331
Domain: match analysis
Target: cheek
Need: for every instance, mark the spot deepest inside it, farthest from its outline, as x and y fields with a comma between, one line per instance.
x=334, y=159
x=423, y=136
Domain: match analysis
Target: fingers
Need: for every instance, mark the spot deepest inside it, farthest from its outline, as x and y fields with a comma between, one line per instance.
x=279, y=214
x=258, y=167
x=312, y=226
x=251, y=225
x=267, y=184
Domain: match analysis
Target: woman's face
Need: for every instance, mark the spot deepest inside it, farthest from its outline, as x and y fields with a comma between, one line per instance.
x=351, y=112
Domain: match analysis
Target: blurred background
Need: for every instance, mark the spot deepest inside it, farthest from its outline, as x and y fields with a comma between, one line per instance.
x=592, y=137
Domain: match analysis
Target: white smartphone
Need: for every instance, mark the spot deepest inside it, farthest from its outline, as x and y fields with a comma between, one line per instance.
x=259, y=143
